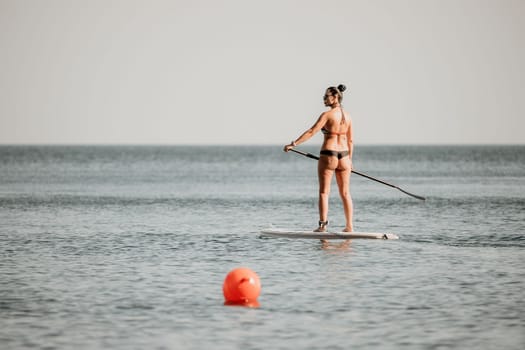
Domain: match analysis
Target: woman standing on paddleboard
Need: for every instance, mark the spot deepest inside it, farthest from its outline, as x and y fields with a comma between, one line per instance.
x=336, y=154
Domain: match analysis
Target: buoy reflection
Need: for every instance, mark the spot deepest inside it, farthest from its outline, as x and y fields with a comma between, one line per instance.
x=250, y=303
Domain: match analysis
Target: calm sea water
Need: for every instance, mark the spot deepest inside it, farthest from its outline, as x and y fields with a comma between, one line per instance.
x=127, y=248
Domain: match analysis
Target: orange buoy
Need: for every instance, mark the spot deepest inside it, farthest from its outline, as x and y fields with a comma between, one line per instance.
x=241, y=285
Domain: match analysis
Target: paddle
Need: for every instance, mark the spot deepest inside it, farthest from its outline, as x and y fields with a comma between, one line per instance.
x=309, y=155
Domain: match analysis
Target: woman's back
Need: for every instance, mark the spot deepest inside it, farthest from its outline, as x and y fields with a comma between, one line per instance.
x=336, y=130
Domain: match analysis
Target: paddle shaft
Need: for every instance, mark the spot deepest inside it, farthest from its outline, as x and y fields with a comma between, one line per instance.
x=313, y=156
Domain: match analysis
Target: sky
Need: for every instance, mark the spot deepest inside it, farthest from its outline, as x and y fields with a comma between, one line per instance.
x=254, y=72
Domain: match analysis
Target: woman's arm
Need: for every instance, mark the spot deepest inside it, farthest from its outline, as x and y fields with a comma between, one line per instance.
x=321, y=121
x=349, y=139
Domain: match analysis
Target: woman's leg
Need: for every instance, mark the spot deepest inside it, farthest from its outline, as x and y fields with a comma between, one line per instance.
x=342, y=176
x=325, y=170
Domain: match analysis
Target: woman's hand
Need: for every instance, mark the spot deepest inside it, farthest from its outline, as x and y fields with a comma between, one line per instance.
x=288, y=147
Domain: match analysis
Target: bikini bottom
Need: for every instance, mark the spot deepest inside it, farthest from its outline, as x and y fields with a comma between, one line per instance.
x=338, y=154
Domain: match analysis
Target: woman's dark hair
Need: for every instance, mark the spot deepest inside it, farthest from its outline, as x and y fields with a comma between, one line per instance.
x=337, y=91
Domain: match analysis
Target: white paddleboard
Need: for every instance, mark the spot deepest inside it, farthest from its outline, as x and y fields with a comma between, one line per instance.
x=326, y=235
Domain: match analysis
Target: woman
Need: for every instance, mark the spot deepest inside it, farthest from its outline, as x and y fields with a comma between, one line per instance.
x=336, y=154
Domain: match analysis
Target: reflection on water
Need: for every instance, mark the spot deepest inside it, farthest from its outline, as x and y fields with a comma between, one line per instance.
x=336, y=245
x=250, y=303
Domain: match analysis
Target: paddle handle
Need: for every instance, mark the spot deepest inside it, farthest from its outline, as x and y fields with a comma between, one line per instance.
x=313, y=156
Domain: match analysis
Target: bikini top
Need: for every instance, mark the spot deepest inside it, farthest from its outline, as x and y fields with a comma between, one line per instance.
x=325, y=131
x=331, y=133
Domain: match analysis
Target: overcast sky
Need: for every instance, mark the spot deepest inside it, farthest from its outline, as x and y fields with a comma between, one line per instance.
x=254, y=72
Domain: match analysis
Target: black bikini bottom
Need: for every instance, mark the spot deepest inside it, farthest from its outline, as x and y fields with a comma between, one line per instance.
x=339, y=155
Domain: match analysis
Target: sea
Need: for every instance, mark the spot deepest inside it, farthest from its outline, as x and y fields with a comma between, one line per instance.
x=127, y=247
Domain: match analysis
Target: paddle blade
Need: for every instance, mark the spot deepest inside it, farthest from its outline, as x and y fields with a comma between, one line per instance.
x=412, y=195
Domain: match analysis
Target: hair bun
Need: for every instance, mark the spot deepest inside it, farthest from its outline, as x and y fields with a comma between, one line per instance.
x=341, y=88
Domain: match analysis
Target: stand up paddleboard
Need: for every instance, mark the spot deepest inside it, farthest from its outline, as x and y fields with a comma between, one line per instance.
x=326, y=235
